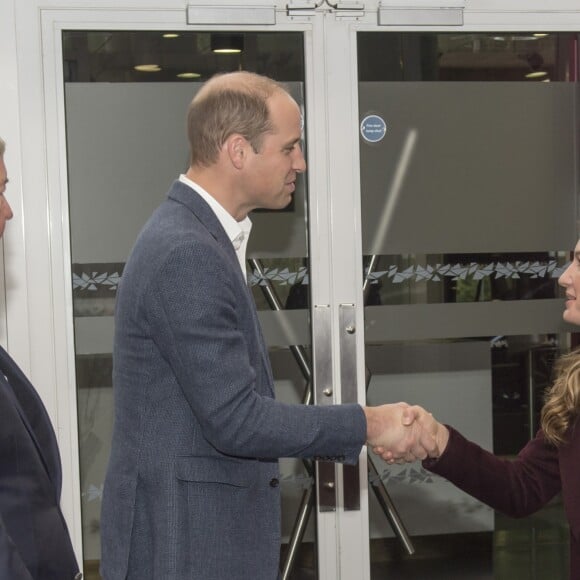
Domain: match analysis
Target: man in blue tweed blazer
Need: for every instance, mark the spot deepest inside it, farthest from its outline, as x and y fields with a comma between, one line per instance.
x=192, y=486
x=34, y=539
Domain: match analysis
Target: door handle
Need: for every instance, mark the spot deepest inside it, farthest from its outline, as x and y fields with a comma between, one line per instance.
x=323, y=393
x=348, y=382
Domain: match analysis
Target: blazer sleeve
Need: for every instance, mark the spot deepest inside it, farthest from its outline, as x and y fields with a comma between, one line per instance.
x=517, y=487
x=11, y=564
x=203, y=328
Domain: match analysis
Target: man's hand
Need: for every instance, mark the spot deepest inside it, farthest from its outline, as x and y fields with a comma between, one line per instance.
x=402, y=433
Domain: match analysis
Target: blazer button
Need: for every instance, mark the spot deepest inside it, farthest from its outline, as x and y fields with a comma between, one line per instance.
x=274, y=482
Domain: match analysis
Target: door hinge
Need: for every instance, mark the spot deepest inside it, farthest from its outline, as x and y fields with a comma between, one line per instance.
x=347, y=8
x=307, y=7
x=347, y=5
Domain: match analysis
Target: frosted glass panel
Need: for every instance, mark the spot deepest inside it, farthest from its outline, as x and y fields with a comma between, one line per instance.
x=481, y=167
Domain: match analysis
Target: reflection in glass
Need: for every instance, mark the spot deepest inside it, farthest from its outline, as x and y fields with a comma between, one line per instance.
x=463, y=56
x=95, y=56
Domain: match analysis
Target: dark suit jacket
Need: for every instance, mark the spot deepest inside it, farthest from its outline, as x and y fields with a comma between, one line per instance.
x=192, y=489
x=520, y=487
x=34, y=540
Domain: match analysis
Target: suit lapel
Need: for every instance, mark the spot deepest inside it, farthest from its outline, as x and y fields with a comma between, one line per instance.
x=196, y=204
x=34, y=416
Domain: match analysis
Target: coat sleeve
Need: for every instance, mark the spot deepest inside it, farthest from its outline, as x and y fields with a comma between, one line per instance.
x=203, y=326
x=11, y=564
x=516, y=487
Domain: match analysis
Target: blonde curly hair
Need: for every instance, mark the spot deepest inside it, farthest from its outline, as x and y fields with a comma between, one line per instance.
x=562, y=400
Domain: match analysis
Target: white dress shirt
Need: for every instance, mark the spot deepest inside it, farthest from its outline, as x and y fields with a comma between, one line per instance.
x=237, y=232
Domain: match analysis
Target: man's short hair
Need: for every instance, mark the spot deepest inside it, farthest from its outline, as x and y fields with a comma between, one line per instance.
x=2, y=146
x=227, y=104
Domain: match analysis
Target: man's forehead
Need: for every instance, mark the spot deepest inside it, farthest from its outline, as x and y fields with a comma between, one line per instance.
x=3, y=176
x=286, y=113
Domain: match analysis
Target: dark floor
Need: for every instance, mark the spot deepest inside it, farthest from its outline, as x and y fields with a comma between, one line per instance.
x=535, y=548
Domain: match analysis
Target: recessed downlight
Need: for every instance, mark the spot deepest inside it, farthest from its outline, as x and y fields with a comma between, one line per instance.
x=537, y=74
x=147, y=67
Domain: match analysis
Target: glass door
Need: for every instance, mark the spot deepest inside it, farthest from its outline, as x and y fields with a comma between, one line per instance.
x=129, y=90
x=461, y=163
x=468, y=174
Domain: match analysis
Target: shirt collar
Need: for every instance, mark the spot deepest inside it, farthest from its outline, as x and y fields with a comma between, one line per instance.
x=236, y=231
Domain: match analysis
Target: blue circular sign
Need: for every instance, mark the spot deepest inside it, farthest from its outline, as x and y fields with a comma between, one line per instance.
x=373, y=128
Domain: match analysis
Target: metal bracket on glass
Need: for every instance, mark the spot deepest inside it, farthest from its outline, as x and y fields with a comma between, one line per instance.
x=340, y=7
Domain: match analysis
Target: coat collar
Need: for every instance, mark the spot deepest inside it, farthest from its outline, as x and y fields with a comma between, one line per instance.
x=182, y=193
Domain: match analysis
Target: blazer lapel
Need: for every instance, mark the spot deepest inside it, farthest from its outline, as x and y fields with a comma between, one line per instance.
x=34, y=416
x=196, y=204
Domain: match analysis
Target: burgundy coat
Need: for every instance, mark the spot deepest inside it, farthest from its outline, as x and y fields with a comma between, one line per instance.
x=521, y=486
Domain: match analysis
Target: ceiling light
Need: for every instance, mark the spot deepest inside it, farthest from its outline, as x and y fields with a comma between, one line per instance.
x=227, y=43
x=540, y=34
x=147, y=67
x=170, y=35
x=536, y=74
x=189, y=75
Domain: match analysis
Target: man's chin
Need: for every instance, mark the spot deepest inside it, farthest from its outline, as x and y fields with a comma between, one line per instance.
x=571, y=317
x=284, y=202
x=280, y=203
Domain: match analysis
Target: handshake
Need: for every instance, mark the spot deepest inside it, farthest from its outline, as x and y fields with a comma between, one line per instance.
x=401, y=433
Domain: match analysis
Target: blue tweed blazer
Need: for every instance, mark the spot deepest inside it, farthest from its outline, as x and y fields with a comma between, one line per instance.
x=191, y=489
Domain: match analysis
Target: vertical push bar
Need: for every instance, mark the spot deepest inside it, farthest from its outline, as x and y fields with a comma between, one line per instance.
x=326, y=470
x=348, y=382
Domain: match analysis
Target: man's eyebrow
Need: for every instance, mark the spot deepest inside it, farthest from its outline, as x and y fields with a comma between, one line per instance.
x=294, y=141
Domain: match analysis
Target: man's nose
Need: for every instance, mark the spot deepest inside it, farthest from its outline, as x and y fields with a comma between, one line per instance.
x=300, y=163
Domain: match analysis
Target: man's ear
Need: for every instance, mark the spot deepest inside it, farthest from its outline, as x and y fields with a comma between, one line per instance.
x=236, y=147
